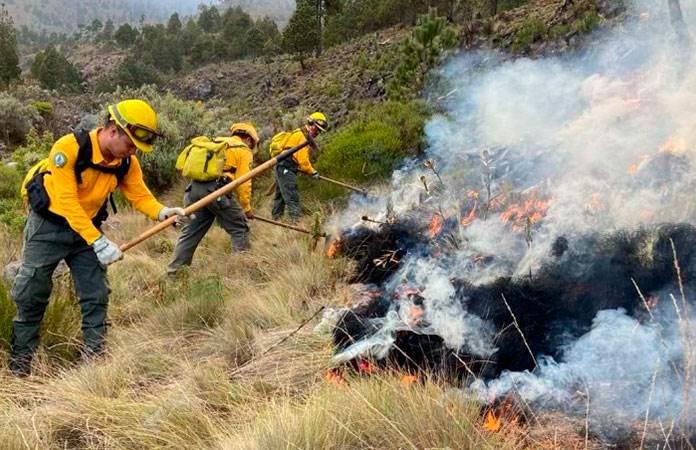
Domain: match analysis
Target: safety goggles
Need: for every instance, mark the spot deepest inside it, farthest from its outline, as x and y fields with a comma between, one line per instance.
x=143, y=134
x=321, y=124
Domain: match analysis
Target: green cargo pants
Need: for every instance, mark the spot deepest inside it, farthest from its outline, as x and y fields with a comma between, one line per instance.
x=45, y=245
x=286, y=193
x=230, y=217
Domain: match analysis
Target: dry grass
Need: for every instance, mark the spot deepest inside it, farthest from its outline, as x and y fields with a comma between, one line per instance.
x=216, y=360
x=379, y=412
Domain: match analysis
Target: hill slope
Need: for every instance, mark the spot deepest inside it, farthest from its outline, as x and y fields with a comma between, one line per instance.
x=64, y=16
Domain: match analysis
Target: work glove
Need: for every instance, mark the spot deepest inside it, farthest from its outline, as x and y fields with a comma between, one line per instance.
x=107, y=252
x=315, y=175
x=167, y=212
x=184, y=220
x=249, y=214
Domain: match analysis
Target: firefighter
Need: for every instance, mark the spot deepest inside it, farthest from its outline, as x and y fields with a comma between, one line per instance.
x=68, y=194
x=286, y=194
x=232, y=212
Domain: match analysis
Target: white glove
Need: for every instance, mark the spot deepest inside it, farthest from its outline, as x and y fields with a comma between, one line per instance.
x=107, y=252
x=167, y=212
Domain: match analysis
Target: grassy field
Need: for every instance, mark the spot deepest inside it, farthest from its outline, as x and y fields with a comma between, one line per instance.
x=195, y=363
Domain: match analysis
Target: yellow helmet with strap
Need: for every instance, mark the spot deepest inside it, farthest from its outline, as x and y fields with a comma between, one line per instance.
x=245, y=128
x=138, y=120
x=318, y=119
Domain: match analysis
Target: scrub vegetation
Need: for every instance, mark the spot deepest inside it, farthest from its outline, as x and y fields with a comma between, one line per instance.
x=221, y=357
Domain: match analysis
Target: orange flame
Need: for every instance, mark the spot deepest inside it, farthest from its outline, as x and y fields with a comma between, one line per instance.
x=436, y=224
x=673, y=145
x=633, y=168
x=366, y=367
x=469, y=218
x=528, y=212
x=491, y=422
x=334, y=248
x=414, y=317
x=595, y=203
x=408, y=380
x=334, y=377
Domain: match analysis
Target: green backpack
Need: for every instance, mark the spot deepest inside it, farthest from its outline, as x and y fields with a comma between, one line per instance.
x=278, y=141
x=203, y=159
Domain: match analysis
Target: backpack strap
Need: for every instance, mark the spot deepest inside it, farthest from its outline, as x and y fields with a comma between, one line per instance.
x=310, y=140
x=84, y=159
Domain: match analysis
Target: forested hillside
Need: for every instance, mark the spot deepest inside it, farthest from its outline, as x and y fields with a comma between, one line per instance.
x=65, y=16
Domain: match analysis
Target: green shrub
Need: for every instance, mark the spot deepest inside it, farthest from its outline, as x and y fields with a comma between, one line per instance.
x=370, y=147
x=35, y=149
x=505, y=5
x=54, y=71
x=7, y=312
x=531, y=30
x=11, y=212
x=44, y=108
x=10, y=180
x=16, y=118
x=131, y=73
x=587, y=22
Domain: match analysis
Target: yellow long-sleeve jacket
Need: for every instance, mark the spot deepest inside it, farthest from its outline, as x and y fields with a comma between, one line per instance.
x=238, y=161
x=80, y=203
x=301, y=157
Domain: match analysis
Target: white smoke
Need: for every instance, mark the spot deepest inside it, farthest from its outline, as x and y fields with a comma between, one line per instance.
x=624, y=369
x=608, y=136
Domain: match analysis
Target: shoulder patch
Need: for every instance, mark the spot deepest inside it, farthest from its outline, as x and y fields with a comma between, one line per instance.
x=60, y=159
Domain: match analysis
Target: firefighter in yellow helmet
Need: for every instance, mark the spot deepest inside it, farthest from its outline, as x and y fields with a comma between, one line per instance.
x=286, y=194
x=231, y=211
x=68, y=194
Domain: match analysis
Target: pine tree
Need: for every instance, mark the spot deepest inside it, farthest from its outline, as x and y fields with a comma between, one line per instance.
x=301, y=35
x=421, y=52
x=9, y=59
x=174, y=24
x=54, y=71
x=126, y=35
x=107, y=32
x=209, y=19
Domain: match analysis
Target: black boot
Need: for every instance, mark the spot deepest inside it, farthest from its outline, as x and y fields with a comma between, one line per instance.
x=20, y=365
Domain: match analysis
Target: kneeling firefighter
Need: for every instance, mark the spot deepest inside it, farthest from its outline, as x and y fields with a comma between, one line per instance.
x=68, y=194
x=210, y=164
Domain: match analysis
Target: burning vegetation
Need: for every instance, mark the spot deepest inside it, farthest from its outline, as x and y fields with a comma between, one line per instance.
x=543, y=252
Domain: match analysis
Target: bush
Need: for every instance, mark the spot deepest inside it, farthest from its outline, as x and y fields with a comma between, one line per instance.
x=510, y=4
x=372, y=146
x=54, y=71
x=7, y=312
x=35, y=149
x=587, y=22
x=530, y=31
x=44, y=108
x=16, y=119
x=11, y=213
x=131, y=73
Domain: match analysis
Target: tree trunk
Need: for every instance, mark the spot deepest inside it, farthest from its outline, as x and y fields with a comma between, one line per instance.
x=319, y=12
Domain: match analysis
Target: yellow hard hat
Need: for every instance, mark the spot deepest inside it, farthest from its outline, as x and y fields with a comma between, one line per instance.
x=245, y=128
x=138, y=120
x=318, y=119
